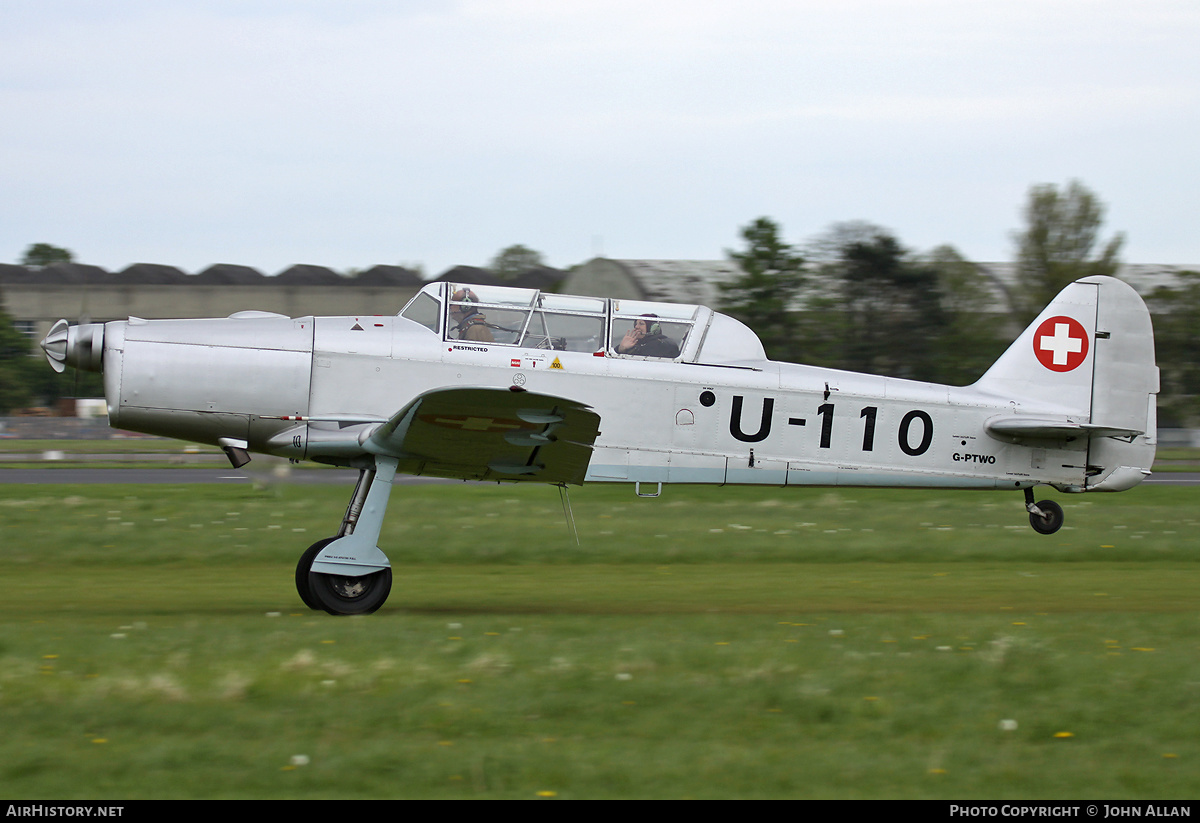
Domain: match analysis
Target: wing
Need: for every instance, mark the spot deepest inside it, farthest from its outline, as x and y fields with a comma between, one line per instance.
x=490, y=434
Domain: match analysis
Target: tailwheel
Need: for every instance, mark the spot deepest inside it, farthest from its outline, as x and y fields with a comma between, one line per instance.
x=1046, y=517
x=350, y=595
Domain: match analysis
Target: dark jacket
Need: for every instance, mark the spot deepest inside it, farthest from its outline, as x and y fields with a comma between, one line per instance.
x=655, y=345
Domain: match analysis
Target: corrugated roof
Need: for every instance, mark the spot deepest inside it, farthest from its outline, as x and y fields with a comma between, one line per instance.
x=543, y=278
x=151, y=273
x=682, y=281
x=230, y=274
x=307, y=275
x=12, y=273
x=696, y=281
x=388, y=276
x=1144, y=278
x=470, y=274
x=73, y=273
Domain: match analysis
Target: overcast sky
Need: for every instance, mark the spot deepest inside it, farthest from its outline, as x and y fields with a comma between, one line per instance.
x=436, y=132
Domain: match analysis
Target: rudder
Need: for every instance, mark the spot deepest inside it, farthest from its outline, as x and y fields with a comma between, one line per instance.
x=1124, y=390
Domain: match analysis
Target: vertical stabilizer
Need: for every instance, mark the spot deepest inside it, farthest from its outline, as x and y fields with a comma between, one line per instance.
x=1088, y=359
x=1049, y=367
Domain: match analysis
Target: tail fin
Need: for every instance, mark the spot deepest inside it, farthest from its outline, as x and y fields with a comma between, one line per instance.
x=1087, y=361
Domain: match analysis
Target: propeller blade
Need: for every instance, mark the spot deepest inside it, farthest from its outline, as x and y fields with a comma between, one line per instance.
x=54, y=345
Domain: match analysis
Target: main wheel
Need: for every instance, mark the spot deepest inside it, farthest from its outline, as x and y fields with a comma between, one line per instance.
x=1050, y=520
x=304, y=567
x=350, y=595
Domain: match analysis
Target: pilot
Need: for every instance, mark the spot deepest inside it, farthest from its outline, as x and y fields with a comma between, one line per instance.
x=646, y=339
x=470, y=324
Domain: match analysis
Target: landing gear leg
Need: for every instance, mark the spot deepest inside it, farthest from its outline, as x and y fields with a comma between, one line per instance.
x=1045, y=516
x=347, y=573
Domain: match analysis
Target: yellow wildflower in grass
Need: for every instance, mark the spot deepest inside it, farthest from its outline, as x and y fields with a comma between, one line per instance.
x=1064, y=735
x=547, y=793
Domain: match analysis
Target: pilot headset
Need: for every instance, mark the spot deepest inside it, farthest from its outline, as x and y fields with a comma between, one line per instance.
x=652, y=328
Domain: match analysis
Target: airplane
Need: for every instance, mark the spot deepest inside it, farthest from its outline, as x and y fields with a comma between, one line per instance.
x=510, y=384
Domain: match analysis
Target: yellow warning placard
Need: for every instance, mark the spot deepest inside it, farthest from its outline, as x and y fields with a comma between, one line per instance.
x=556, y=364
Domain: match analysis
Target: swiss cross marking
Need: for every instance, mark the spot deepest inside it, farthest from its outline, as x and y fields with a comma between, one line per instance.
x=1060, y=343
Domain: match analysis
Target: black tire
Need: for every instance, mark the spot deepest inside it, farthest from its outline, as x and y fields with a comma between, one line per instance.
x=304, y=568
x=350, y=595
x=1050, y=520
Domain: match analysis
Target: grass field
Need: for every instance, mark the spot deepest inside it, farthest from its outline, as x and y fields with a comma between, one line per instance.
x=711, y=643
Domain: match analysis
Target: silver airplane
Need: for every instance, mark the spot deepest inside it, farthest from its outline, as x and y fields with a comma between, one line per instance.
x=508, y=384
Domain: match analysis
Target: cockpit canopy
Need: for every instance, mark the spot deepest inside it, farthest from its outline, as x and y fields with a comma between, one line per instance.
x=528, y=318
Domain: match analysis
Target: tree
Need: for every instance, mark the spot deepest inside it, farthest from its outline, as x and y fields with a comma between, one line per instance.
x=767, y=295
x=1176, y=316
x=44, y=254
x=1056, y=248
x=514, y=261
x=17, y=374
x=874, y=306
x=892, y=313
x=977, y=329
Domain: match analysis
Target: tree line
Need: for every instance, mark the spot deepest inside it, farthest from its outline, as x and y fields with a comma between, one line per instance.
x=855, y=298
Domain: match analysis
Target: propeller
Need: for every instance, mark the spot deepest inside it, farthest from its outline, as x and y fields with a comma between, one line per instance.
x=54, y=345
x=79, y=346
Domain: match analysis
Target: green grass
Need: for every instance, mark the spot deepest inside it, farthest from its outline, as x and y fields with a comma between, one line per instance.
x=1177, y=459
x=711, y=643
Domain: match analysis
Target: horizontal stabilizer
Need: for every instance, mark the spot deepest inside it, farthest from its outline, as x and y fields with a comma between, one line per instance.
x=1024, y=427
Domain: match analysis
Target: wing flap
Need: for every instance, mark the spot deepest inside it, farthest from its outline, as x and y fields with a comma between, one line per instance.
x=491, y=434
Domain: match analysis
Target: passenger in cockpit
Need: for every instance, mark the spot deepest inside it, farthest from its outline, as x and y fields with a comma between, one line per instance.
x=646, y=339
x=470, y=324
